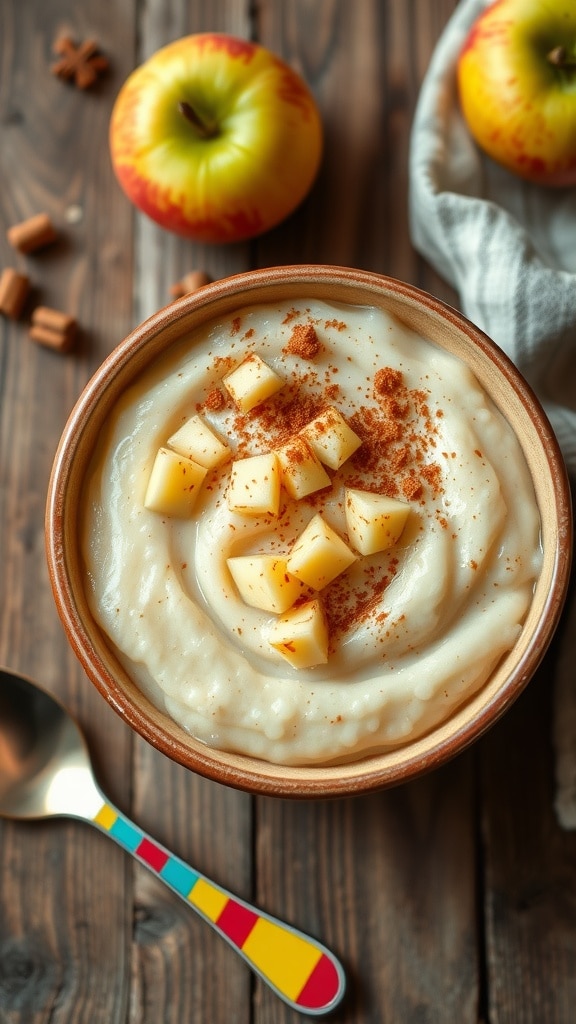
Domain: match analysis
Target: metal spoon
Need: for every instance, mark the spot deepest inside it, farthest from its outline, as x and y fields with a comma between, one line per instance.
x=45, y=771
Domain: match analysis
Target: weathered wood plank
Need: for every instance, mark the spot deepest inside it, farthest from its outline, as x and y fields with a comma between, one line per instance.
x=364, y=63
x=65, y=922
x=183, y=971
x=389, y=880
x=529, y=881
x=161, y=258
x=386, y=881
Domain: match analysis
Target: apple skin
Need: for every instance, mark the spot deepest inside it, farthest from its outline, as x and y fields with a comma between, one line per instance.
x=520, y=106
x=241, y=181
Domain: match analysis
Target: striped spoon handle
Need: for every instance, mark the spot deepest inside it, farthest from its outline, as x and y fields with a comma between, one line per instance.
x=306, y=975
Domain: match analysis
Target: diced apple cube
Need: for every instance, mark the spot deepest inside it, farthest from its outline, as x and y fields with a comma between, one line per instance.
x=301, y=472
x=254, y=487
x=197, y=441
x=174, y=484
x=374, y=521
x=330, y=438
x=301, y=635
x=252, y=382
x=264, y=582
x=319, y=554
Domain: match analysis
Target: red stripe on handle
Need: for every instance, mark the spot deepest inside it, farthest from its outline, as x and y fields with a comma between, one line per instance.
x=151, y=854
x=237, y=922
x=322, y=985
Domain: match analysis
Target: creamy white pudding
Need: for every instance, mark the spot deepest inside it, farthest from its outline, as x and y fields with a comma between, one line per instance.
x=414, y=630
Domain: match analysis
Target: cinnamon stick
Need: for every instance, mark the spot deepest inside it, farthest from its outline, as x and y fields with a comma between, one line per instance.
x=53, y=328
x=33, y=233
x=14, y=288
x=191, y=282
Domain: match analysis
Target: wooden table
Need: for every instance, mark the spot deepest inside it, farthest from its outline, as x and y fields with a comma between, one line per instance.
x=450, y=899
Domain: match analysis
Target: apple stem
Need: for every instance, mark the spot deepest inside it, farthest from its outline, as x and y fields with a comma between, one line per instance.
x=560, y=58
x=207, y=131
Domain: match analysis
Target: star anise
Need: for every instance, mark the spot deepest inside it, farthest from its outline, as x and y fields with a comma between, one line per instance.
x=81, y=63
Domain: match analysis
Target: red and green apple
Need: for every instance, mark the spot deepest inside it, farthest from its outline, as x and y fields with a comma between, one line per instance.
x=215, y=138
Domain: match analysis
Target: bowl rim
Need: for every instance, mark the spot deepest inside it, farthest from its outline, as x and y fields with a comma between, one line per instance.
x=369, y=773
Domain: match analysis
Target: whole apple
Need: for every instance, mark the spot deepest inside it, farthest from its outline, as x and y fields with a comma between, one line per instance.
x=517, y=84
x=215, y=138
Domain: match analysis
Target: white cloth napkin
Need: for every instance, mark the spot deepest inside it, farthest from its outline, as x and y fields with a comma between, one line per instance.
x=509, y=250
x=507, y=247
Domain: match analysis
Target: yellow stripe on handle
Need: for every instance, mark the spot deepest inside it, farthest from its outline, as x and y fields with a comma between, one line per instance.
x=305, y=974
x=286, y=958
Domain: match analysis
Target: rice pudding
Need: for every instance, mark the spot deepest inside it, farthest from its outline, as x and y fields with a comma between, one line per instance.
x=411, y=630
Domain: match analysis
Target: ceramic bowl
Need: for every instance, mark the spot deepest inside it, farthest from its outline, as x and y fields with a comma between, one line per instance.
x=442, y=325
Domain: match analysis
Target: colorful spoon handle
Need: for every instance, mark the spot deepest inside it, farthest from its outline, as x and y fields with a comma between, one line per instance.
x=300, y=970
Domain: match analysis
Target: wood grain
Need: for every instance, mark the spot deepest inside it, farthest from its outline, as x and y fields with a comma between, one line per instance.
x=450, y=899
x=182, y=971
x=529, y=881
x=391, y=877
x=65, y=914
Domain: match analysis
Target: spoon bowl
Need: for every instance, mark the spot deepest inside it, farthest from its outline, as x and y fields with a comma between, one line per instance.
x=45, y=771
x=45, y=767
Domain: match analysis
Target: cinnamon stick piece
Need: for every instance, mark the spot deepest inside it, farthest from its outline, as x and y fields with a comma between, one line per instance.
x=14, y=288
x=33, y=233
x=191, y=282
x=53, y=328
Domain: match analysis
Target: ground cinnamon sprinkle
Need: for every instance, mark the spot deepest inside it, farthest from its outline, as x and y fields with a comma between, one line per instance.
x=367, y=423
x=387, y=380
x=291, y=315
x=374, y=429
x=398, y=432
x=297, y=451
x=400, y=457
x=236, y=325
x=394, y=409
x=282, y=419
x=433, y=476
x=303, y=342
x=214, y=400
x=221, y=364
x=345, y=608
x=411, y=487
